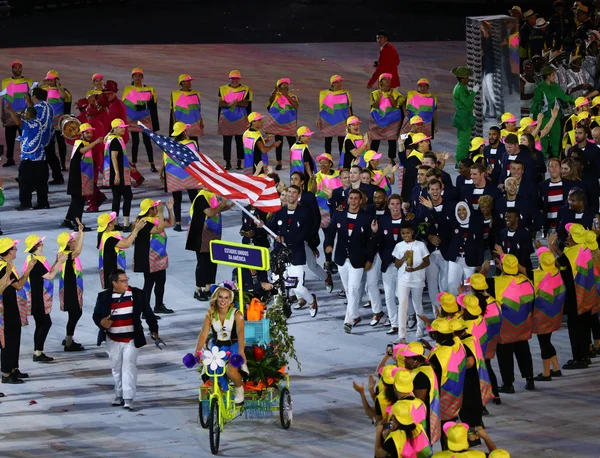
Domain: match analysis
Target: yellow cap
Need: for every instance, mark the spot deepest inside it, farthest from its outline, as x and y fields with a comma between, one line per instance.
x=63, y=240
x=423, y=81
x=147, y=204
x=583, y=115
x=499, y=453
x=510, y=264
x=403, y=381
x=577, y=232
x=591, y=241
x=412, y=349
x=52, y=74
x=508, y=117
x=596, y=101
x=352, y=120
x=448, y=302
x=304, y=131
x=104, y=220
x=32, y=241
x=184, y=77
x=477, y=143
x=387, y=373
x=254, y=116
x=416, y=120
x=525, y=123
x=118, y=122
x=419, y=137
x=442, y=325
x=457, y=435
x=85, y=127
x=324, y=156
x=457, y=324
x=137, y=70
x=402, y=411
x=179, y=128
x=548, y=261
x=471, y=303
x=581, y=101
x=7, y=243
x=371, y=155
x=478, y=282
x=335, y=78
x=235, y=74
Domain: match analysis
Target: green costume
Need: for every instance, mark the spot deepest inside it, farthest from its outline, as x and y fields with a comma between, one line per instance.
x=544, y=98
x=463, y=119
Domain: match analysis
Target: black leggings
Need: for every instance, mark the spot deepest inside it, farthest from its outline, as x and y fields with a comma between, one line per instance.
x=546, y=347
x=75, y=208
x=206, y=270
x=126, y=194
x=392, y=147
x=43, y=323
x=279, y=149
x=329, y=141
x=135, y=145
x=239, y=147
x=595, y=326
x=177, y=199
x=157, y=281
x=493, y=379
x=62, y=148
x=9, y=356
x=74, y=316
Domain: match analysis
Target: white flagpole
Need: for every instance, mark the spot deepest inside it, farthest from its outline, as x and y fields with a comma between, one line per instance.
x=255, y=219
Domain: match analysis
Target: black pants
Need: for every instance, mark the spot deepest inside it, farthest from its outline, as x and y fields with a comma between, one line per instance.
x=75, y=208
x=579, y=334
x=595, y=324
x=33, y=176
x=156, y=281
x=9, y=357
x=119, y=192
x=62, y=147
x=546, y=347
x=279, y=149
x=392, y=147
x=328, y=256
x=178, y=198
x=10, y=133
x=74, y=316
x=329, y=141
x=53, y=162
x=505, y=354
x=135, y=145
x=493, y=379
x=239, y=147
x=43, y=323
x=206, y=270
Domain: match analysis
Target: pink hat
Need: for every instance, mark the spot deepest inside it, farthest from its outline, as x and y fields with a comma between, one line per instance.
x=97, y=76
x=15, y=62
x=385, y=75
x=283, y=80
x=541, y=250
x=460, y=299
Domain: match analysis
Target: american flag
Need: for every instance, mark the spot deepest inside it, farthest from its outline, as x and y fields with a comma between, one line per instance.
x=259, y=192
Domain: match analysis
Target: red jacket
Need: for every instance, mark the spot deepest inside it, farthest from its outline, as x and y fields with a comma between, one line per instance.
x=387, y=63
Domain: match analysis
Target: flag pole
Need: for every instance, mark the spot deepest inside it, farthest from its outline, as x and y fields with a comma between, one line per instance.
x=255, y=219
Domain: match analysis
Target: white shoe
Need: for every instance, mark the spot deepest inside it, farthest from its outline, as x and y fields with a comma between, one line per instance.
x=298, y=305
x=400, y=340
x=117, y=402
x=239, y=394
x=128, y=404
x=421, y=333
x=367, y=305
x=387, y=322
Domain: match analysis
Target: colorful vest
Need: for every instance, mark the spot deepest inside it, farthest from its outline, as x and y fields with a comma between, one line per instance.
x=159, y=260
x=453, y=362
x=384, y=115
x=550, y=294
x=230, y=94
x=383, y=402
x=435, y=424
x=137, y=102
x=412, y=444
x=126, y=178
x=282, y=111
x=186, y=106
x=326, y=181
x=177, y=179
x=121, y=259
x=87, y=168
x=357, y=141
x=78, y=270
x=296, y=158
x=250, y=138
x=16, y=89
x=384, y=184
x=485, y=385
x=57, y=103
x=334, y=106
x=515, y=295
x=48, y=286
x=582, y=265
x=423, y=105
x=493, y=321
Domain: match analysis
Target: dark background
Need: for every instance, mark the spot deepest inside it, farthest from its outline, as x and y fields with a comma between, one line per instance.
x=92, y=22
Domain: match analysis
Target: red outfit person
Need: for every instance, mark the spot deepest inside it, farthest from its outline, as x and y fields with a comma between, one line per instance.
x=388, y=61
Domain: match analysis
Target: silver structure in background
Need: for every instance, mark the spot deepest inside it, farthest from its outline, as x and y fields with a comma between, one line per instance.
x=493, y=55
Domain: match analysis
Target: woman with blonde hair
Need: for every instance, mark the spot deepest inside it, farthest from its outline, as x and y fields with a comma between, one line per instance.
x=226, y=323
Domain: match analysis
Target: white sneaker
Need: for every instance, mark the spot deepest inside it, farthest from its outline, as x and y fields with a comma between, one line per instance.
x=421, y=333
x=128, y=404
x=117, y=402
x=239, y=394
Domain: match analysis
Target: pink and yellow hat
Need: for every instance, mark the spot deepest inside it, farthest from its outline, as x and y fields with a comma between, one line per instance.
x=423, y=81
x=283, y=80
x=137, y=70
x=352, y=120
x=16, y=62
x=235, y=74
x=97, y=76
x=52, y=74
x=7, y=243
x=325, y=157
x=416, y=120
x=335, y=78
x=254, y=116
x=304, y=132
x=385, y=75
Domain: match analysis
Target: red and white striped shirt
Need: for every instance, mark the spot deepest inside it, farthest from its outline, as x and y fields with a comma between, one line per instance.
x=121, y=312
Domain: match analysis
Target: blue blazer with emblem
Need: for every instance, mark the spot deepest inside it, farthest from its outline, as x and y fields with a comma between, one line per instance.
x=293, y=229
x=356, y=247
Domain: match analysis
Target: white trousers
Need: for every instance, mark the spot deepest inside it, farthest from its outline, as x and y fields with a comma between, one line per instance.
x=300, y=290
x=457, y=272
x=436, y=276
x=351, y=279
x=390, y=280
x=123, y=360
x=372, y=284
x=415, y=294
x=311, y=263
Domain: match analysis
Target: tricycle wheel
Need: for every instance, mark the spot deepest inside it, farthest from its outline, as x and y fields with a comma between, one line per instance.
x=214, y=426
x=203, y=413
x=285, y=408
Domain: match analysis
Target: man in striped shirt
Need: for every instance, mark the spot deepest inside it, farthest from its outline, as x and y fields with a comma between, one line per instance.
x=118, y=315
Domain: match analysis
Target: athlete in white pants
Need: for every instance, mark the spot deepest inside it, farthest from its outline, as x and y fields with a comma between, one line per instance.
x=123, y=364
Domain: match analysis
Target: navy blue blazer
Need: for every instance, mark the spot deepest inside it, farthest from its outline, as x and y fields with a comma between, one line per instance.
x=494, y=160
x=356, y=247
x=384, y=242
x=544, y=189
x=519, y=245
x=466, y=193
x=293, y=229
x=530, y=171
x=438, y=223
x=309, y=201
x=566, y=216
x=530, y=214
x=473, y=247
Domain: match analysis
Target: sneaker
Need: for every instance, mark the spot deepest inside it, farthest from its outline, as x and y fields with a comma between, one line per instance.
x=421, y=333
x=298, y=305
x=543, y=378
x=127, y=229
x=572, y=364
x=507, y=389
x=391, y=331
x=530, y=385
x=412, y=321
x=117, y=402
x=128, y=404
x=227, y=165
x=347, y=329
x=314, y=307
x=12, y=379
x=163, y=309
x=9, y=163
x=239, y=394
x=177, y=228
x=20, y=374
x=74, y=347
x=64, y=342
x=555, y=373
x=376, y=319
x=200, y=296
x=42, y=358
x=400, y=340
